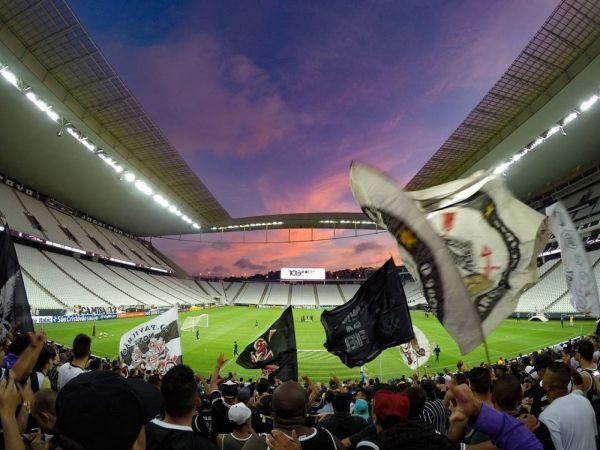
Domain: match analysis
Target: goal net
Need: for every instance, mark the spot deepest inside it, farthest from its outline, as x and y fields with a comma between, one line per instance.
x=191, y=323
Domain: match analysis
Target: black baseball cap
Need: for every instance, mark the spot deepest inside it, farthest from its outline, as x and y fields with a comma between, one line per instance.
x=102, y=410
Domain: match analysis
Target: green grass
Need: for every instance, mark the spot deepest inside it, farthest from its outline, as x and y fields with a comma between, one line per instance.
x=238, y=323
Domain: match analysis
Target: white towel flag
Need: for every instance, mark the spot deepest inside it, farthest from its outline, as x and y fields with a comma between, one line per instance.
x=470, y=244
x=580, y=277
x=154, y=344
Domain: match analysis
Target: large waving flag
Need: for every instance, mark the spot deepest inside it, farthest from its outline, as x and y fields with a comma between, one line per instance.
x=155, y=344
x=580, y=277
x=14, y=307
x=470, y=244
x=274, y=352
x=376, y=318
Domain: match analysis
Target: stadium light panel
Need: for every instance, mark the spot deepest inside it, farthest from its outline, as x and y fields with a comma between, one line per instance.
x=588, y=103
x=10, y=77
x=52, y=114
x=570, y=118
x=129, y=177
x=501, y=168
x=161, y=200
x=195, y=226
x=143, y=187
x=555, y=129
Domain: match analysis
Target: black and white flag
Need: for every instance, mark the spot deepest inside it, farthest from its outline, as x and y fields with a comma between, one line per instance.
x=14, y=307
x=580, y=277
x=153, y=345
x=376, y=318
x=274, y=352
x=470, y=244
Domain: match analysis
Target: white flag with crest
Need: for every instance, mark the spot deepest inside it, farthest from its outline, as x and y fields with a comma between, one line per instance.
x=470, y=244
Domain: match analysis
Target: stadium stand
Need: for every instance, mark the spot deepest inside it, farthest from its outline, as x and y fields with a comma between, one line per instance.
x=252, y=294
x=162, y=288
x=232, y=292
x=329, y=295
x=303, y=295
x=125, y=285
x=75, y=228
x=15, y=214
x=91, y=280
x=279, y=294
x=39, y=297
x=55, y=280
x=348, y=290
x=49, y=224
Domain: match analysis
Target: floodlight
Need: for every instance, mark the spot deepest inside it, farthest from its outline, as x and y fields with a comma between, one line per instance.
x=555, y=129
x=570, y=118
x=87, y=144
x=10, y=77
x=501, y=168
x=161, y=200
x=588, y=103
x=143, y=187
x=52, y=114
x=196, y=226
x=129, y=177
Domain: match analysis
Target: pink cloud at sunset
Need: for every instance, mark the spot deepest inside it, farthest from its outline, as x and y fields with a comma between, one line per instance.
x=269, y=102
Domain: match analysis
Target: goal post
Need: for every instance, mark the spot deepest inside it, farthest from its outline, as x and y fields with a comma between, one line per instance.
x=194, y=322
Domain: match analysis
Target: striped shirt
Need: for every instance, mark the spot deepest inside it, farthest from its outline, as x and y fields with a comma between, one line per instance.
x=436, y=414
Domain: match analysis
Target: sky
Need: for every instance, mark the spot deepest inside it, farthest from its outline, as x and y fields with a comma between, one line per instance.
x=269, y=101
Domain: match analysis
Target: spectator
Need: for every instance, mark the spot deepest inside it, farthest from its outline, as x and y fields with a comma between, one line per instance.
x=341, y=423
x=43, y=410
x=361, y=409
x=239, y=416
x=100, y=411
x=389, y=409
x=328, y=407
x=569, y=417
x=289, y=411
x=180, y=398
x=507, y=394
x=45, y=361
x=434, y=410
x=81, y=354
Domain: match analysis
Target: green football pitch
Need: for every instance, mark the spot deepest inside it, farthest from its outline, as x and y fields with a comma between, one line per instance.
x=238, y=323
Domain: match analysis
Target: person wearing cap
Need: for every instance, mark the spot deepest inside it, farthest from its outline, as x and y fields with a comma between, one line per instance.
x=102, y=410
x=389, y=408
x=239, y=416
x=341, y=423
x=289, y=415
x=536, y=393
x=180, y=399
x=361, y=409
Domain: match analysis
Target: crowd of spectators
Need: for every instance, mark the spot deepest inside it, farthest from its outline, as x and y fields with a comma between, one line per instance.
x=59, y=398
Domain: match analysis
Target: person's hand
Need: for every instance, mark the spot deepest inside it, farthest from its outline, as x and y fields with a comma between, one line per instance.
x=27, y=393
x=10, y=397
x=466, y=405
x=38, y=442
x=530, y=421
x=38, y=339
x=279, y=441
x=220, y=360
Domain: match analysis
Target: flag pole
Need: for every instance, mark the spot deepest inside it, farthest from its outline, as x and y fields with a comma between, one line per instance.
x=487, y=352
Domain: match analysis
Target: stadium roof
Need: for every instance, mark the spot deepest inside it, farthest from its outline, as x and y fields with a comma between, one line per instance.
x=49, y=48
x=555, y=60
x=45, y=45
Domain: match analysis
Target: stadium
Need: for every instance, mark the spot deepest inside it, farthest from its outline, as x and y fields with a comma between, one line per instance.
x=87, y=180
